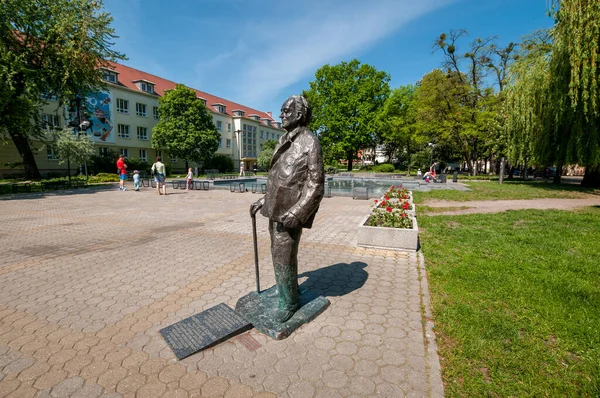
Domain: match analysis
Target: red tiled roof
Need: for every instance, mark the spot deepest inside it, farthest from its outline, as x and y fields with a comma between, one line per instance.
x=128, y=75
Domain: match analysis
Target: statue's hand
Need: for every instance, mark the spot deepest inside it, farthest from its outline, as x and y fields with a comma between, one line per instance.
x=255, y=207
x=289, y=220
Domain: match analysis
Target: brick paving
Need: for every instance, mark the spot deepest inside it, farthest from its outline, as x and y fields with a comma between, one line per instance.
x=88, y=277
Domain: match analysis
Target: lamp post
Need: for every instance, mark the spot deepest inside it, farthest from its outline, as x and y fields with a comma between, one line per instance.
x=432, y=145
x=238, y=136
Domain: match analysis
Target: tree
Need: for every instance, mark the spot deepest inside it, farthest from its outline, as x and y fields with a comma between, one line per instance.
x=479, y=102
x=346, y=99
x=70, y=147
x=575, y=85
x=398, y=122
x=528, y=107
x=48, y=46
x=185, y=127
x=265, y=155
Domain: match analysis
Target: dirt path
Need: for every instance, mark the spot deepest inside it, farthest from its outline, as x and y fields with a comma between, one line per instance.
x=496, y=206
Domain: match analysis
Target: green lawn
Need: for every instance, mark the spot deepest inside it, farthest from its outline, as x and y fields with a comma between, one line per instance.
x=516, y=301
x=508, y=190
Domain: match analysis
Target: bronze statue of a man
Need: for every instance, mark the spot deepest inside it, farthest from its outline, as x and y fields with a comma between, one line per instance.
x=295, y=187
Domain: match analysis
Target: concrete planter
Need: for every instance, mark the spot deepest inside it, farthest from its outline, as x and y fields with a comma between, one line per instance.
x=388, y=238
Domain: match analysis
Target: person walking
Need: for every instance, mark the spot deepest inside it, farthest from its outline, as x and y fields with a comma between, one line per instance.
x=188, y=179
x=160, y=173
x=122, y=170
x=295, y=187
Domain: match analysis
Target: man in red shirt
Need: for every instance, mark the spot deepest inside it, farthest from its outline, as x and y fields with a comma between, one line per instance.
x=122, y=170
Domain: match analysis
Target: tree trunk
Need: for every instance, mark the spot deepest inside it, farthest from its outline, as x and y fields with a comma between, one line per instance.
x=558, y=174
x=187, y=167
x=408, y=157
x=22, y=144
x=349, y=157
x=591, y=178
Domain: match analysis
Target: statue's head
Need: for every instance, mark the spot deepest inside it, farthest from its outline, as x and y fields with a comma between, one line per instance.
x=295, y=112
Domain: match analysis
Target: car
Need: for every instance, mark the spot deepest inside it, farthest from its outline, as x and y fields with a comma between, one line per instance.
x=545, y=172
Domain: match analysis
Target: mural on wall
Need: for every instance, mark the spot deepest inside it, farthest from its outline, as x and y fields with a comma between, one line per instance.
x=96, y=110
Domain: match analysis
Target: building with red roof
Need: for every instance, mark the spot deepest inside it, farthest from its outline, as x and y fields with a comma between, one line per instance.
x=121, y=119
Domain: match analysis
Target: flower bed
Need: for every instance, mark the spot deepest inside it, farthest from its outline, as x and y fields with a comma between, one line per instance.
x=391, y=224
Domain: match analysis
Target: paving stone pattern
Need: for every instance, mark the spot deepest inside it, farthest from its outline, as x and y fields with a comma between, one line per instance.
x=88, y=277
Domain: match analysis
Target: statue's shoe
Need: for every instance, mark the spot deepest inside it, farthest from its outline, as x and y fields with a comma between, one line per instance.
x=283, y=315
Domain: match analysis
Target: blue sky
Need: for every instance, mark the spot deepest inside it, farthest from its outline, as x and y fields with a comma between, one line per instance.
x=259, y=52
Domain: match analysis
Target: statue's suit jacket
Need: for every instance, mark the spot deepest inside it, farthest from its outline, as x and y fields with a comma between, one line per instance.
x=296, y=178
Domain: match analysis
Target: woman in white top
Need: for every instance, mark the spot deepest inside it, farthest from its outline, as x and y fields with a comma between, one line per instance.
x=188, y=179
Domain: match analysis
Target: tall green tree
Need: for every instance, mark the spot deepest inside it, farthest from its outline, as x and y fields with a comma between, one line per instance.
x=398, y=122
x=346, y=99
x=528, y=107
x=479, y=103
x=48, y=46
x=266, y=153
x=575, y=84
x=185, y=127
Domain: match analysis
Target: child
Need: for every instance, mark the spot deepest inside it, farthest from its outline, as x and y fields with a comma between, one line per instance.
x=136, y=180
x=188, y=179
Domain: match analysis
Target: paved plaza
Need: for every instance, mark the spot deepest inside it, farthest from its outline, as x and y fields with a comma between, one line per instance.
x=89, y=277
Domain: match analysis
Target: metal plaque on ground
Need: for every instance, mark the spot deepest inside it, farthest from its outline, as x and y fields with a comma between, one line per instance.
x=204, y=330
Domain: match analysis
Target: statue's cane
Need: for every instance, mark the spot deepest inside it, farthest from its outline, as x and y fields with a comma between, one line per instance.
x=255, y=252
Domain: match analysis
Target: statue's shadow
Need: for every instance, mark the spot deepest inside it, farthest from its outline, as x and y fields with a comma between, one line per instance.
x=335, y=280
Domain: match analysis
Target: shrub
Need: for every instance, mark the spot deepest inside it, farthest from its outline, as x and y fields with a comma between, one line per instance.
x=384, y=168
x=331, y=170
x=223, y=163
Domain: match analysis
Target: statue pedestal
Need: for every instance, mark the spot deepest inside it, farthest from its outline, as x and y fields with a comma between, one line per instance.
x=259, y=309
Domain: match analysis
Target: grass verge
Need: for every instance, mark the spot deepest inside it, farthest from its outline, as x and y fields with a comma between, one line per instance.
x=508, y=190
x=516, y=301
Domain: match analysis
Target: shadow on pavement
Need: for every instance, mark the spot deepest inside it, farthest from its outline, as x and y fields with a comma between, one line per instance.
x=337, y=279
x=67, y=192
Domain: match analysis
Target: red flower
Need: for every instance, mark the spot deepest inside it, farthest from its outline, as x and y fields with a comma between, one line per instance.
x=404, y=197
x=405, y=205
x=403, y=215
x=376, y=201
x=388, y=209
x=386, y=197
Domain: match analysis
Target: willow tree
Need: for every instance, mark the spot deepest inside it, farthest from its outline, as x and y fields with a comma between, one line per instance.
x=528, y=106
x=575, y=89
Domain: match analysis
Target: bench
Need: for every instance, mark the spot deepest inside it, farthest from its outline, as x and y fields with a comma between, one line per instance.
x=360, y=193
x=200, y=185
x=54, y=185
x=237, y=187
x=20, y=188
x=263, y=188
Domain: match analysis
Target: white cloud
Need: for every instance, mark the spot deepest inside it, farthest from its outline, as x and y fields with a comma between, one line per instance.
x=295, y=41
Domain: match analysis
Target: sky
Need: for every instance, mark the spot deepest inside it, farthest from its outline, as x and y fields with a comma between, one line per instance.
x=259, y=52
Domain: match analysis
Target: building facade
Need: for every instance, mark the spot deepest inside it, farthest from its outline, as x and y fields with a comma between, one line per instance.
x=121, y=119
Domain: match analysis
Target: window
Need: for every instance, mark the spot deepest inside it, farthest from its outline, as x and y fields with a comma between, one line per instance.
x=52, y=152
x=220, y=142
x=123, y=131
x=229, y=127
x=262, y=134
x=238, y=112
x=143, y=155
x=220, y=108
x=103, y=151
x=140, y=109
x=155, y=112
x=173, y=160
x=142, y=133
x=124, y=152
x=122, y=105
x=202, y=99
x=50, y=121
x=110, y=77
x=147, y=87
x=228, y=142
x=219, y=125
